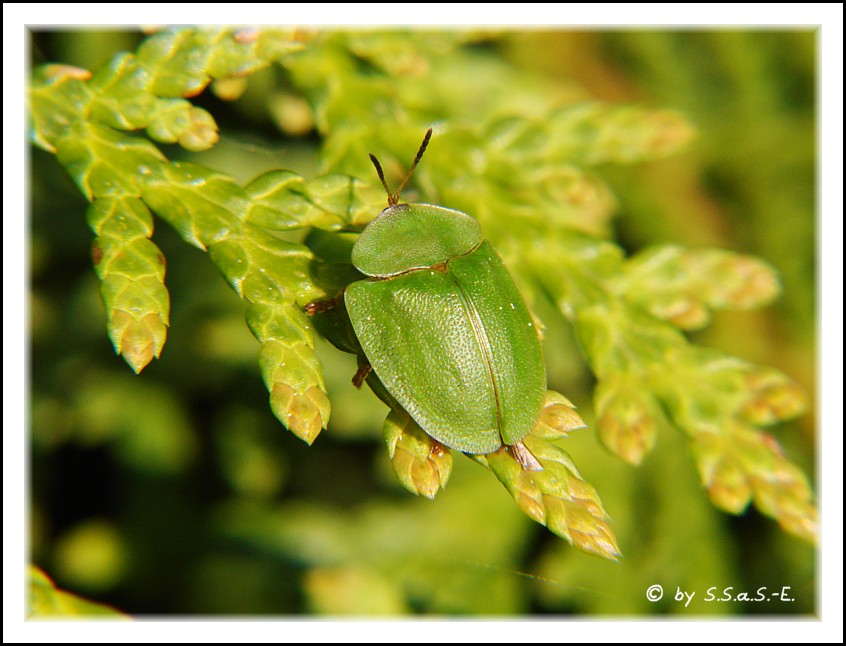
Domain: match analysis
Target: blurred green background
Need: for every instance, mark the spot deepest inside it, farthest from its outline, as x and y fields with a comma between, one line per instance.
x=177, y=491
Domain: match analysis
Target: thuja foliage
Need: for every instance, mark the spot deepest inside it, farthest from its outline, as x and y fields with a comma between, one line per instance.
x=45, y=600
x=523, y=165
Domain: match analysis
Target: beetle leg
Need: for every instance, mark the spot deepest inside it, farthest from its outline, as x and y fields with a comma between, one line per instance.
x=361, y=375
x=525, y=457
x=315, y=307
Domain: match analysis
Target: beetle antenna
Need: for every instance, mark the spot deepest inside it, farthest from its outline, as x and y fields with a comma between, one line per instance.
x=414, y=164
x=392, y=199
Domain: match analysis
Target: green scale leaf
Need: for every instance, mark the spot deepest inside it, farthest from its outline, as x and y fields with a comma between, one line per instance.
x=46, y=601
x=647, y=369
x=556, y=496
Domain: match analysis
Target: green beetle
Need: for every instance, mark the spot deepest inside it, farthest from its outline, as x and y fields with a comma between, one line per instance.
x=444, y=328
